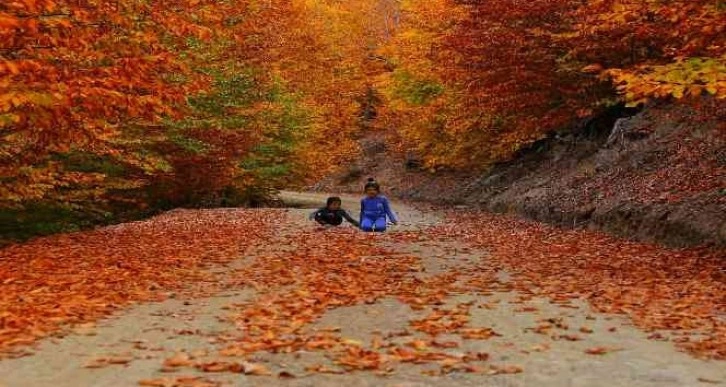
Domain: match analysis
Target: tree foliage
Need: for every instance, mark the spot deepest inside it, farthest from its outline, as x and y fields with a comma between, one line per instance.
x=160, y=104
x=509, y=72
x=189, y=102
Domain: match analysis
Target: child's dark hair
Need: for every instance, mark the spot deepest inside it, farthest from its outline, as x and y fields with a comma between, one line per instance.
x=333, y=199
x=372, y=184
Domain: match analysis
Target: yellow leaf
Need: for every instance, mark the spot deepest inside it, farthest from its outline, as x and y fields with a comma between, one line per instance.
x=357, y=343
x=678, y=91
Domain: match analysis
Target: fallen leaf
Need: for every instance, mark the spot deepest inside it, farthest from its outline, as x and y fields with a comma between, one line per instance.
x=181, y=359
x=220, y=366
x=477, y=333
x=539, y=348
x=285, y=375
x=354, y=342
x=444, y=344
x=159, y=382
x=119, y=360
x=323, y=370
x=706, y=380
x=505, y=369
x=255, y=369
x=96, y=363
x=597, y=351
x=419, y=345
x=570, y=337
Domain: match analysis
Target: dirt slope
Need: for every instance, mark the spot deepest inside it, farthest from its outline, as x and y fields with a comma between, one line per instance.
x=657, y=176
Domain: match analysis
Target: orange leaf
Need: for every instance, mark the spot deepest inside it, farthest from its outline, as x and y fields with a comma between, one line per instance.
x=255, y=369
x=597, y=351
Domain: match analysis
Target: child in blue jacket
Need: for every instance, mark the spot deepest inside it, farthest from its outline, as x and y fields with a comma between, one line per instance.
x=374, y=208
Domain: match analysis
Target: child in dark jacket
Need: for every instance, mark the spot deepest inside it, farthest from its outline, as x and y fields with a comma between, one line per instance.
x=332, y=214
x=374, y=208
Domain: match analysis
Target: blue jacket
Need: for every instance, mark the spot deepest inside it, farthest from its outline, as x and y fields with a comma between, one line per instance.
x=376, y=208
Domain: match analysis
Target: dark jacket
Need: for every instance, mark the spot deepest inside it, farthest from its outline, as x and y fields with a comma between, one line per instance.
x=332, y=217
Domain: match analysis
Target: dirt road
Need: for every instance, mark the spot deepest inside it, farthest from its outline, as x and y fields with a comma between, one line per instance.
x=336, y=307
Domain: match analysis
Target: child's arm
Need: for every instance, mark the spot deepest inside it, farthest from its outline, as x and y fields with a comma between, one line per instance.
x=314, y=213
x=389, y=212
x=347, y=217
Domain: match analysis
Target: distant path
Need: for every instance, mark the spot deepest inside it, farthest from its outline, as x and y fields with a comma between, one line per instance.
x=357, y=310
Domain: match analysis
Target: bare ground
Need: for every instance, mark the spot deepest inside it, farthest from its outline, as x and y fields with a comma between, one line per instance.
x=132, y=346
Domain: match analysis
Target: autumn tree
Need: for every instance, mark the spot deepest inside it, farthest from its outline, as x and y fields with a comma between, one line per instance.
x=477, y=80
x=78, y=78
x=158, y=104
x=328, y=58
x=654, y=49
x=134, y=106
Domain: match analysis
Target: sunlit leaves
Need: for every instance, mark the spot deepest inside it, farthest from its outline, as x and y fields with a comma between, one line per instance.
x=72, y=76
x=539, y=66
x=694, y=77
x=415, y=91
x=189, y=83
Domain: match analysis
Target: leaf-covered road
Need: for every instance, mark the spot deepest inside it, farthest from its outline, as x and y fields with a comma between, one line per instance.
x=262, y=297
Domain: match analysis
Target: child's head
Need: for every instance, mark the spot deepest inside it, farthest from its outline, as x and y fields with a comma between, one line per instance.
x=372, y=188
x=334, y=203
